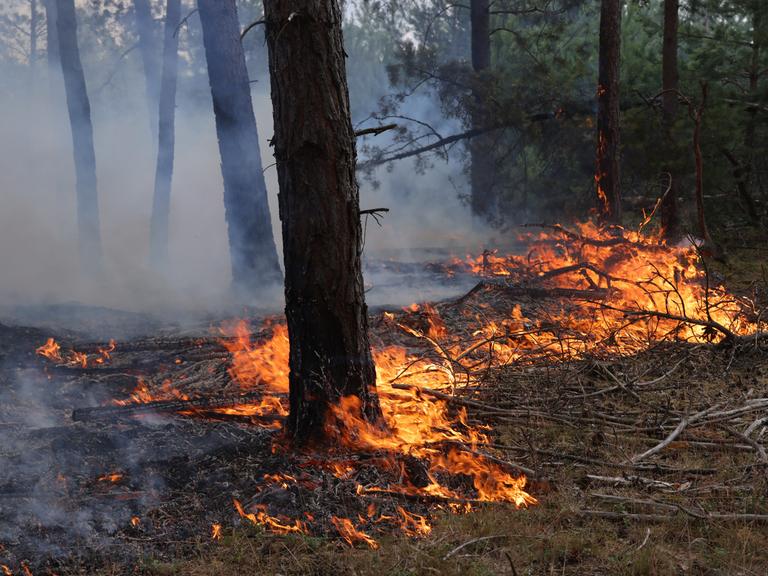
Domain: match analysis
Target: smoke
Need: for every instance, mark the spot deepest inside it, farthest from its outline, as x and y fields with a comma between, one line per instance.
x=38, y=228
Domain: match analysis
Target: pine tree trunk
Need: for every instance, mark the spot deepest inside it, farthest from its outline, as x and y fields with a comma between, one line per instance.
x=148, y=47
x=670, y=221
x=330, y=355
x=79, y=108
x=251, y=243
x=161, y=205
x=607, y=176
x=484, y=199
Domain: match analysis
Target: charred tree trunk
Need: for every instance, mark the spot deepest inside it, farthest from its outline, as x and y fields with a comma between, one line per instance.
x=251, y=243
x=161, y=205
x=330, y=355
x=79, y=108
x=146, y=30
x=670, y=221
x=607, y=176
x=484, y=199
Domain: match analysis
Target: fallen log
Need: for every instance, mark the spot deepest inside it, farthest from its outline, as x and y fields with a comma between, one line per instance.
x=164, y=406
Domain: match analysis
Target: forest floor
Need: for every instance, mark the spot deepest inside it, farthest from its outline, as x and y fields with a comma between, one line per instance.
x=699, y=505
x=598, y=514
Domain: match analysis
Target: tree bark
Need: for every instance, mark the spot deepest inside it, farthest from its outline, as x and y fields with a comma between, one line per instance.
x=670, y=221
x=251, y=243
x=484, y=196
x=314, y=142
x=148, y=47
x=607, y=175
x=79, y=108
x=161, y=205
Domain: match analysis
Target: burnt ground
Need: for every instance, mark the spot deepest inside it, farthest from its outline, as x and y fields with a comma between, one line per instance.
x=699, y=505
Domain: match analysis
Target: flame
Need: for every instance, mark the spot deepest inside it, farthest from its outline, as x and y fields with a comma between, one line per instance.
x=215, y=531
x=114, y=477
x=25, y=569
x=413, y=524
x=50, y=350
x=254, y=365
x=135, y=521
x=6, y=571
x=142, y=394
x=261, y=518
x=350, y=534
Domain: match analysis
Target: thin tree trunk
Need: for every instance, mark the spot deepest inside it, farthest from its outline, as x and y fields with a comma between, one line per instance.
x=751, y=126
x=34, y=19
x=148, y=47
x=79, y=108
x=251, y=243
x=51, y=39
x=697, y=115
x=330, y=355
x=607, y=176
x=161, y=205
x=484, y=199
x=670, y=221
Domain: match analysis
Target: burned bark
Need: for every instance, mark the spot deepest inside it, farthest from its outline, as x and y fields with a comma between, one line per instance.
x=330, y=355
x=79, y=108
x=161, y=205
x=148, y=47
x=251, y=243
x=670, y=221
x=484, y=196
x=607, y=174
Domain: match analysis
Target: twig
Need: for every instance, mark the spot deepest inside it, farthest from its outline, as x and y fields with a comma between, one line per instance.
x=473, y=541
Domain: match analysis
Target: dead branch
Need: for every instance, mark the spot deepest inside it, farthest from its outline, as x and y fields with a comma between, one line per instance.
x=376, y=130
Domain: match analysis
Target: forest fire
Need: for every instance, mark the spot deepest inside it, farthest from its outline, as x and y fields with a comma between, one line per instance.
x=625, y=291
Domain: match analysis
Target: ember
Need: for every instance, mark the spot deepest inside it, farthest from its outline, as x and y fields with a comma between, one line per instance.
x=216, y=531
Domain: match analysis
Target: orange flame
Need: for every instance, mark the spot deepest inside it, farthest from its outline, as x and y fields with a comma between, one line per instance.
x=215, y=531
x=50, y=350
x=350, y=534
x=261, y=518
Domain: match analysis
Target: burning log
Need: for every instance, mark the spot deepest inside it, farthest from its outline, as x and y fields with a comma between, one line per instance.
x=163, y=406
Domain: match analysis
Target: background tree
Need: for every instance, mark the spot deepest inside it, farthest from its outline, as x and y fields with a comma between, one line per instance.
x=148, y=46
x=670, y=221
x=161, y=206
x=314, y=143
x=252, y=245
x=79, y=107
x=607, y=172
x=482, y=165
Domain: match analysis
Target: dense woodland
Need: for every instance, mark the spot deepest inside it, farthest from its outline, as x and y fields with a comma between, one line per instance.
x=590, y=398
